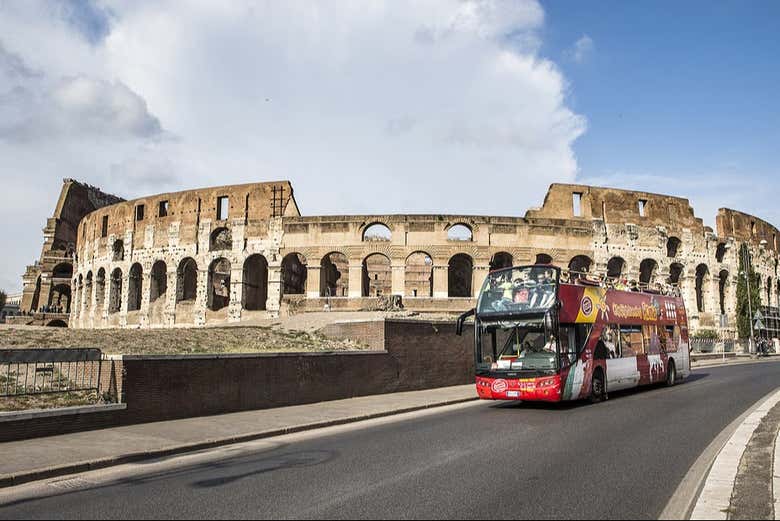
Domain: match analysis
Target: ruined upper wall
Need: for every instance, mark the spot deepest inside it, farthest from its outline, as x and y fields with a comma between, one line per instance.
x=746, y=228
x=616, y=206
x=254, y=203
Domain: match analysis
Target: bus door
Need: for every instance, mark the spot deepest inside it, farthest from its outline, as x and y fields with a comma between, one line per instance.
x=624, y=344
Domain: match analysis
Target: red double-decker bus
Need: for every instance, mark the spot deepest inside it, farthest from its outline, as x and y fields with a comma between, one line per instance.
x=537, y=339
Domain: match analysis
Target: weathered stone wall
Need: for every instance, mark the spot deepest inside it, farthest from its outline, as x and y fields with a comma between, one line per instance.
x=432, y=262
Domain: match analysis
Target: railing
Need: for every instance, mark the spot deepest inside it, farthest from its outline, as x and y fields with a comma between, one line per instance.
x=25, y=372
x=619, y=283
x=713, y=345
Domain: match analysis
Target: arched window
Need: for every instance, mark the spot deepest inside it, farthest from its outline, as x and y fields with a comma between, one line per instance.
x=675, y=273
x=135, y=287
x=501, y=260
x=59, y=298
x=255, y=283
x=460, y=276
x=720, y=252
x=543, y=258
x=580, y=265
x=377, y=276
x=724, y=287
x=460, y=232
x=294, y=274
x=615, y=267
x=159, y=281
x=419, y=275
x=115, y=295
x=334, y=275
x=221, y=239
x=100, y=289
x=673, y=247
x=647, y=271
x=118, y=250
x=219, y=284
x=187, y=280
x=377, y=232
x=36, y=296
x=702, y=286
x=769, y=291
x=64, y=270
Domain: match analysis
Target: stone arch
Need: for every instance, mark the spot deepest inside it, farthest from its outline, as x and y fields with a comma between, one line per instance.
x=60, y=297
x=460, y=232
x=673, y=247
x=135, y=286
x=118, y=250
x=377, y=276
x=501, y=260
x=647, y=271
x=63, y=270
x=460, y=275
x=615, y=267
x=580, y=265
x=769, y=291
x=187, y=280
x=377, y=232
x=100, y=289
x=219, y=284
x=702, y=290
x=88, y=288
x=720, y=252
x=115, y=293
x=724, y=288
x=254, y=292
x=334, y=275
x=543, y=258
x=675, y=273
x=419, y=275
x=221, y=239
x=294, y=274
x=159, y=281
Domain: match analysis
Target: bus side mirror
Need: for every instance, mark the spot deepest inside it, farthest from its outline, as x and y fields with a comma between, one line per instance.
x=461, y=320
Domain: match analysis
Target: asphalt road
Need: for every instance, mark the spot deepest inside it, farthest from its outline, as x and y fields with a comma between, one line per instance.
x=620, y=459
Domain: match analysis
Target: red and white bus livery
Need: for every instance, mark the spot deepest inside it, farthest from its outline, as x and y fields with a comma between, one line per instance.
x=537, y=339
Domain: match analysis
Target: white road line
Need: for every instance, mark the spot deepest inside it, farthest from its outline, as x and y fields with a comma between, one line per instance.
x=776, y=478
x=715, y=497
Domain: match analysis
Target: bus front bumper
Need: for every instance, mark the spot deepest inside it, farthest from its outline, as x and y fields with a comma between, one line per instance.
x=545, y=389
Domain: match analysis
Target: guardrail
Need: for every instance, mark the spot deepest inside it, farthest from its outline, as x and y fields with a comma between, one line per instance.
x=713, y=345
x=25, y=372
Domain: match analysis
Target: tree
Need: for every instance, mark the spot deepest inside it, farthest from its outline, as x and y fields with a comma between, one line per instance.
x=744, y=324
x=2, y=300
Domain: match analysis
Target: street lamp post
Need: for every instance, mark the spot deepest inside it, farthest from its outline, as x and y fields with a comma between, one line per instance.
x=746, y=263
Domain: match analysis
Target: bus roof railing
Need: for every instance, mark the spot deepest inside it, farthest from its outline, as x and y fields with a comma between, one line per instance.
x=620, y=283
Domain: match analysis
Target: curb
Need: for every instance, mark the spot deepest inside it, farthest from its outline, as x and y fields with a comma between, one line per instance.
x=714, y=500
x=11, y=480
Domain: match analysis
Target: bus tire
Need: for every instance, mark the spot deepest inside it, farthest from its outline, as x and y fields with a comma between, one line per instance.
x=598, y=390
x=671, y=374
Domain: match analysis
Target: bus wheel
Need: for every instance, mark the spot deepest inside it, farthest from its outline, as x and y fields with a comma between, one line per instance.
x=598, y=391
x=671, y=374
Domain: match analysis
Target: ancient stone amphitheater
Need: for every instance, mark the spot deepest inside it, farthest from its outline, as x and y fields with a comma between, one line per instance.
x=233, y=253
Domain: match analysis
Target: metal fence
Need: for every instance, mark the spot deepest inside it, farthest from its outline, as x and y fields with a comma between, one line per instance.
x=711, y=345
x=25, y=372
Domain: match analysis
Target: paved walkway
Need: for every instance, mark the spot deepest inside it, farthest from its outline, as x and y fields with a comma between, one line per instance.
x=41, y=458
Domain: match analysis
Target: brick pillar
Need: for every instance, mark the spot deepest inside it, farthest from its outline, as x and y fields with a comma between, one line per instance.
x=478, y=277
x=313, y=274
x=202, y=295
x=236, y=292
x=440, y=280
x=146, y=295
x=171, y=292
x=355, y=279
x=398, y=268
x=125, y=295
x=43, y=298
x=274, y=300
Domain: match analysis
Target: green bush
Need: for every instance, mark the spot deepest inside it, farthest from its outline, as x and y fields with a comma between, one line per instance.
x=709, y=334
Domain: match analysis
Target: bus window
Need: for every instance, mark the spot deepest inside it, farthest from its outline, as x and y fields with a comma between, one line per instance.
x=610, y=339
x=631, y=341
x=651, y=340
x=663, y=338
x=673, y=335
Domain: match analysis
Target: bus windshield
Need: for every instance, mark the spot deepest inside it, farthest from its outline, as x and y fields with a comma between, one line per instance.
x=531, y=289
x=517, y=346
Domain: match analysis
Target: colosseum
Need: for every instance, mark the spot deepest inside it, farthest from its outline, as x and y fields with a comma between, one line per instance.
x=232, y=253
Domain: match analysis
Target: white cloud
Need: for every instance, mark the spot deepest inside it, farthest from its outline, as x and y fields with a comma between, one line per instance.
x=440, y=106
x=581, y=50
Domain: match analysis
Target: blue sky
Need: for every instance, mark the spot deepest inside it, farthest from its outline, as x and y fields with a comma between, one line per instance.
x=379, y=107
x=685, y=90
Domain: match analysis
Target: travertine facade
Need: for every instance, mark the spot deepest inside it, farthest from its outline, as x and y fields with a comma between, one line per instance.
x=177, y=259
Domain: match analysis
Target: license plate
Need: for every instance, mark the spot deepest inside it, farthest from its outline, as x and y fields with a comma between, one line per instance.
x=512, y=394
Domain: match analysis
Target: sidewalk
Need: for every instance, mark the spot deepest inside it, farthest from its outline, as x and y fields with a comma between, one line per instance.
x=42, y=458
x=739, y=359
